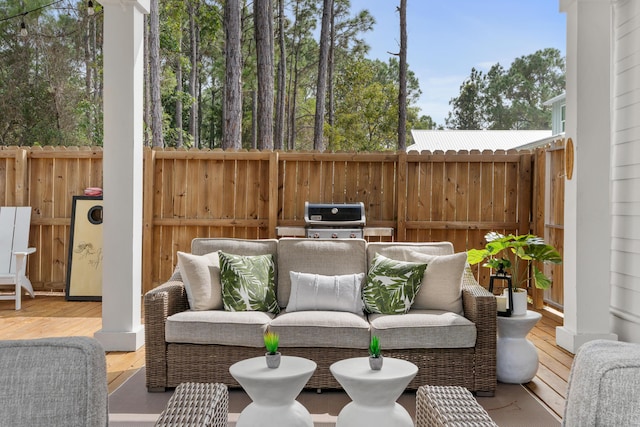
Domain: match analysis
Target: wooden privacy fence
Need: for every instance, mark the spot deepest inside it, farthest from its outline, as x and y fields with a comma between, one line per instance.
x=454, y=196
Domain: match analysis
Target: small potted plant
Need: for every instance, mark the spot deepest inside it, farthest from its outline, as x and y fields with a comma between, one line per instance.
x=375, y=357
x=271, y=340
x=507, y=253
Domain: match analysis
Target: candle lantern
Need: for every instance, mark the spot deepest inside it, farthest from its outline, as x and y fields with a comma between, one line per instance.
x=501, y=275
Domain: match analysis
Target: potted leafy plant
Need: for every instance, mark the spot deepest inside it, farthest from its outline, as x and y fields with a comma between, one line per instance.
x=375, y=357
x=271, y=340
x=507, y=253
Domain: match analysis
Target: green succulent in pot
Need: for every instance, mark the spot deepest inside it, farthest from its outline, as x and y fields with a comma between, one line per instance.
x=506, y=253
x=374, y=347
x=375, y=357
x=271, y=340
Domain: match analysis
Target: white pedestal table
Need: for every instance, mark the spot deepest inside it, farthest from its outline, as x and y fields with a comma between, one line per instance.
x=517, y=357
x=273, y=391
x=374, y=393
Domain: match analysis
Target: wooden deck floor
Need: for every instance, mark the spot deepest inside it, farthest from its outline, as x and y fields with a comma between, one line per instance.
x=50, y=315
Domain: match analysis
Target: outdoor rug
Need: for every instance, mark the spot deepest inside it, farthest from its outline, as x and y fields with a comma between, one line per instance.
x=132, y=406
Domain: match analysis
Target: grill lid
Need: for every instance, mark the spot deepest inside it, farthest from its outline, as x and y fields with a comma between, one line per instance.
x=334, y=214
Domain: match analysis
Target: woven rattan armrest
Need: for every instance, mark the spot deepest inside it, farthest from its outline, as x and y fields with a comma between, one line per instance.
x=480, y=307
x=196, y=405
x=160, y=303
x=438, y=406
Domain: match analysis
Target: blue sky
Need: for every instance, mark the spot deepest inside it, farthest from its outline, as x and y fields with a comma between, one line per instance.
x=446, y=38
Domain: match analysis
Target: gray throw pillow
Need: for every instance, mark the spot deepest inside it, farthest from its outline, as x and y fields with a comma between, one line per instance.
x=318, y=292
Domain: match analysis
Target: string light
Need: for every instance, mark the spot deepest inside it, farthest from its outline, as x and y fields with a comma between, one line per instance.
x=23, y=29
x=90, y=9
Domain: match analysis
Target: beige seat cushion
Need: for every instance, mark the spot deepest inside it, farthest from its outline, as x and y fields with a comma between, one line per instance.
x=244, y=328
x=325, y=257
x=321, y=329
x=423, y=329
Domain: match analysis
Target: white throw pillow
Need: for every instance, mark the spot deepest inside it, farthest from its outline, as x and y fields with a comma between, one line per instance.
x=201, y=277
x=441, y=287
x=332, y=293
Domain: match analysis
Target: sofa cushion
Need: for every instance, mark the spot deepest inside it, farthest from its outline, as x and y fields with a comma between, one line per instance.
x=423, y=329
x=201, y=246
x=333, y=329
x=326, y=257
x=404, y=250
x=245, y=328
x=201, y=277
x=391, y=285
x=441, y=287
x=318, y=292
x=248, y=282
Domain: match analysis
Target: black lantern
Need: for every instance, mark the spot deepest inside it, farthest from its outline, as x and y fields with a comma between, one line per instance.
x=502, y=275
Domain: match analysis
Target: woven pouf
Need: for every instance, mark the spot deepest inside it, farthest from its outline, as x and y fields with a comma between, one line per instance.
x=449, y=406
x=197, y=405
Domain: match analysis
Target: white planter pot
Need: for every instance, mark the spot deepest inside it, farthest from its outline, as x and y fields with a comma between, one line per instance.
x=519, y=301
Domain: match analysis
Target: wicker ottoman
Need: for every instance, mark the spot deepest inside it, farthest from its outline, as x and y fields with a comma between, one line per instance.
x=197, y=405
x=449, y=406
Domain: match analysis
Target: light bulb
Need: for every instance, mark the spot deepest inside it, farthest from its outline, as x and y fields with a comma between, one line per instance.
x=90, y=10
x=23, y=29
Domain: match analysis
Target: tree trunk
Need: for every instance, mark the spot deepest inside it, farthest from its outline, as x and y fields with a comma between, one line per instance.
x=147, y=85
x=88, y=76
x=322, y=76
x=402, y=78
x=232, y=136
x=293, y=83
x=331, y=67
x=192, y=9
x=282, y=76
x=179, y=92
x=263, y=23
x=254, y=120
x=154, y=70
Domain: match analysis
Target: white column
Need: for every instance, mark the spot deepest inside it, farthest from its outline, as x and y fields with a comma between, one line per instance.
x=122, y=174
x=587, y=219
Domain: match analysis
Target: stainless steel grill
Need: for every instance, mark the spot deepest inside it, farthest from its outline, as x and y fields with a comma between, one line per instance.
x=334, y=220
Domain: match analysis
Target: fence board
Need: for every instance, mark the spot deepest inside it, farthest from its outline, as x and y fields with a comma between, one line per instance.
x=202, y=193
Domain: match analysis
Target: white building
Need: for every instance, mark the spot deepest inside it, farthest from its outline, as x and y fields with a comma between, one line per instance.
x=457, y=140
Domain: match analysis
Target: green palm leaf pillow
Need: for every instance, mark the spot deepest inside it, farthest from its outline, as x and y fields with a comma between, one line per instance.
x=391, y=286
x=248, y=283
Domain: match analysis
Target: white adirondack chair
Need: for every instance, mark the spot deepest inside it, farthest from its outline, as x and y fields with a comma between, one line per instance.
x=14, y=241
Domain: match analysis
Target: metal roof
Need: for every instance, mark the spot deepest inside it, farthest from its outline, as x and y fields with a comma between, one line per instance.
x=457, y=140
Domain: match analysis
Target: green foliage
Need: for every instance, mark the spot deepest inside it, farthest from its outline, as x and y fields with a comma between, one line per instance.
x=45, y=98
x=515, y=248
x=374, y=346
x=271, y=340
x=510, y=99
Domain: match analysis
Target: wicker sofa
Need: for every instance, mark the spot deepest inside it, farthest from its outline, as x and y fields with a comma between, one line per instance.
x=186, y=345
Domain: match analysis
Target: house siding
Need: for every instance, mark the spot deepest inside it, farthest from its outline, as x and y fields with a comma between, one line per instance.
x=625, y=172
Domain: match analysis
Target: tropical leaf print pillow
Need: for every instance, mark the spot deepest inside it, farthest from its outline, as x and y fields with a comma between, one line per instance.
x=248, y=283
x=391, y=286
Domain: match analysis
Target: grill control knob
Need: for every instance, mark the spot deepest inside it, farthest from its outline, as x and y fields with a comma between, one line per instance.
x=334, y=210
x=316, y=235
x=352, y=235
x=334, y=235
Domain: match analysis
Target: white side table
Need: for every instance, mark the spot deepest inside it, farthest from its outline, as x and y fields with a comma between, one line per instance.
x=374, y=393
x=273, y=391
x=517, y=357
